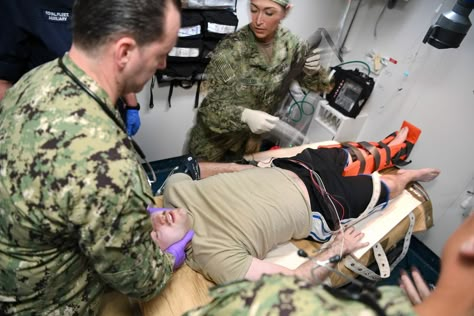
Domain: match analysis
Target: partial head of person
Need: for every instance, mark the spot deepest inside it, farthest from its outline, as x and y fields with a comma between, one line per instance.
x=454, y=292
x=266, y=17
x=457, y=268
x=170, y=226
x=129, y=39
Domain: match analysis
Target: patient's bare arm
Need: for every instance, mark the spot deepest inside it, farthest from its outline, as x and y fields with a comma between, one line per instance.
x=263, y=156
x=343, y=244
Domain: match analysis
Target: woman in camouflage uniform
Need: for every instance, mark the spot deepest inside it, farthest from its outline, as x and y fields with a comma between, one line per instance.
x=244, y=83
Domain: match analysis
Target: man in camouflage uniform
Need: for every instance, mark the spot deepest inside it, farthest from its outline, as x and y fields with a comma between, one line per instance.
x=244, y=83
x=73, y=194
x=284, y=295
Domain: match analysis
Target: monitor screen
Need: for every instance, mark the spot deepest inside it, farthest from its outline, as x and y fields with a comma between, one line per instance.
x=348, y=95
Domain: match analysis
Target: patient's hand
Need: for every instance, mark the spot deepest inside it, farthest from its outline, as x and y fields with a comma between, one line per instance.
x=349, y=241
x=343, y=244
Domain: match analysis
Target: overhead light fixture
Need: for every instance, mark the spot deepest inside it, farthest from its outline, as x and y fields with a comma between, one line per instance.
x=451, y=27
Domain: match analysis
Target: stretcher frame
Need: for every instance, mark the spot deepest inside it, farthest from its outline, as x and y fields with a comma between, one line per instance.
x=188, y=289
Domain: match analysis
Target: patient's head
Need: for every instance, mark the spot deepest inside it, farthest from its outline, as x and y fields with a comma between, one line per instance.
x=169, y=226
x=457, y=269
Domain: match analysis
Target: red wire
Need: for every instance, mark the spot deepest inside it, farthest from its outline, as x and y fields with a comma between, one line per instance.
x=328, y=194
x=318, y=187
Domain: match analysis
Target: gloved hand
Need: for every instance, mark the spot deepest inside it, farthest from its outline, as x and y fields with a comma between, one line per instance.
x=152, y=210
x=177, y=249
x=133, y=120
x=258, y=121
x=312, y=64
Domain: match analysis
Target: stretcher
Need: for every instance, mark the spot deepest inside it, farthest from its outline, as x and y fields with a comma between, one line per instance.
x=188, y=289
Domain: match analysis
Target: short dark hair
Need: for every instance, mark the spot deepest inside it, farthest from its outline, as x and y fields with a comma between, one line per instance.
x=96, y=21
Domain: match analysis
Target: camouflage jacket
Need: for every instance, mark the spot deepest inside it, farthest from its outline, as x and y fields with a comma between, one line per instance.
x=238, y=77
x=284, y=295
x=73, y=200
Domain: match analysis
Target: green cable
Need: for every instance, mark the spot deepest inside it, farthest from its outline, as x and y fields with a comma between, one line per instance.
x=300, y=105
x=356, y=61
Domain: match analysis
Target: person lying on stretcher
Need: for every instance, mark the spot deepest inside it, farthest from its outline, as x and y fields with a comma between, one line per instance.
x=238, y=217
x=285, y=295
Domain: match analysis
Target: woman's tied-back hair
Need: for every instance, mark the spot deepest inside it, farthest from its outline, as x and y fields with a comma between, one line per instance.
x=283, y=3
x=94, y=22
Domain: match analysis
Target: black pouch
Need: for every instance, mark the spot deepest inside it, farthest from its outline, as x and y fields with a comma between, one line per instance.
x=192, y=23
x=167, y=167
x=186, y=50
x=199, y=34
x=209, y=4
x=178, y=71
x=218, y=24
x=208, y=47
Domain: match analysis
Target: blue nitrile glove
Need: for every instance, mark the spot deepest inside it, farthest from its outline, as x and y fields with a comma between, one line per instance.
x=176, y=249
x=133, y=120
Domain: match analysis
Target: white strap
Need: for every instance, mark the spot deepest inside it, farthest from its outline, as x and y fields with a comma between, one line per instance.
x=220, y=28
x=380, y=257
x=406, y=243
x=376, y=185
x=360, y=269
x=382, y=261
x=375, y=192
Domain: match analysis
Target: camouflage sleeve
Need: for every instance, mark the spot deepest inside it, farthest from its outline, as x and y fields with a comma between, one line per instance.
x=221, y=109
x=284, y=295
x=317, y=82
x=114, y=227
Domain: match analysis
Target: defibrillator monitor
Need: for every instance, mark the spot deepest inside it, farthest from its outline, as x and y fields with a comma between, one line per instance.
x=349, y=95
x=351, y=90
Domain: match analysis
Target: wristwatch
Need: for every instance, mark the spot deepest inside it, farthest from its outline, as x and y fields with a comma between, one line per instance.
x=129, y=107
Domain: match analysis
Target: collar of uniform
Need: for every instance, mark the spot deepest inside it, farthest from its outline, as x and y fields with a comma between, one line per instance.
x=87, y=81
x=257, y=59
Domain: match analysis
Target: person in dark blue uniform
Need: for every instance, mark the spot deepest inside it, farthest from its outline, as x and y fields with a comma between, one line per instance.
x=35, y=32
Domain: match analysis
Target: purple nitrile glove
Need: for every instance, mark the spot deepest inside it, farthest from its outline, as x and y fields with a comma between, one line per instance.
x=153, y=210
x=177, y=249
